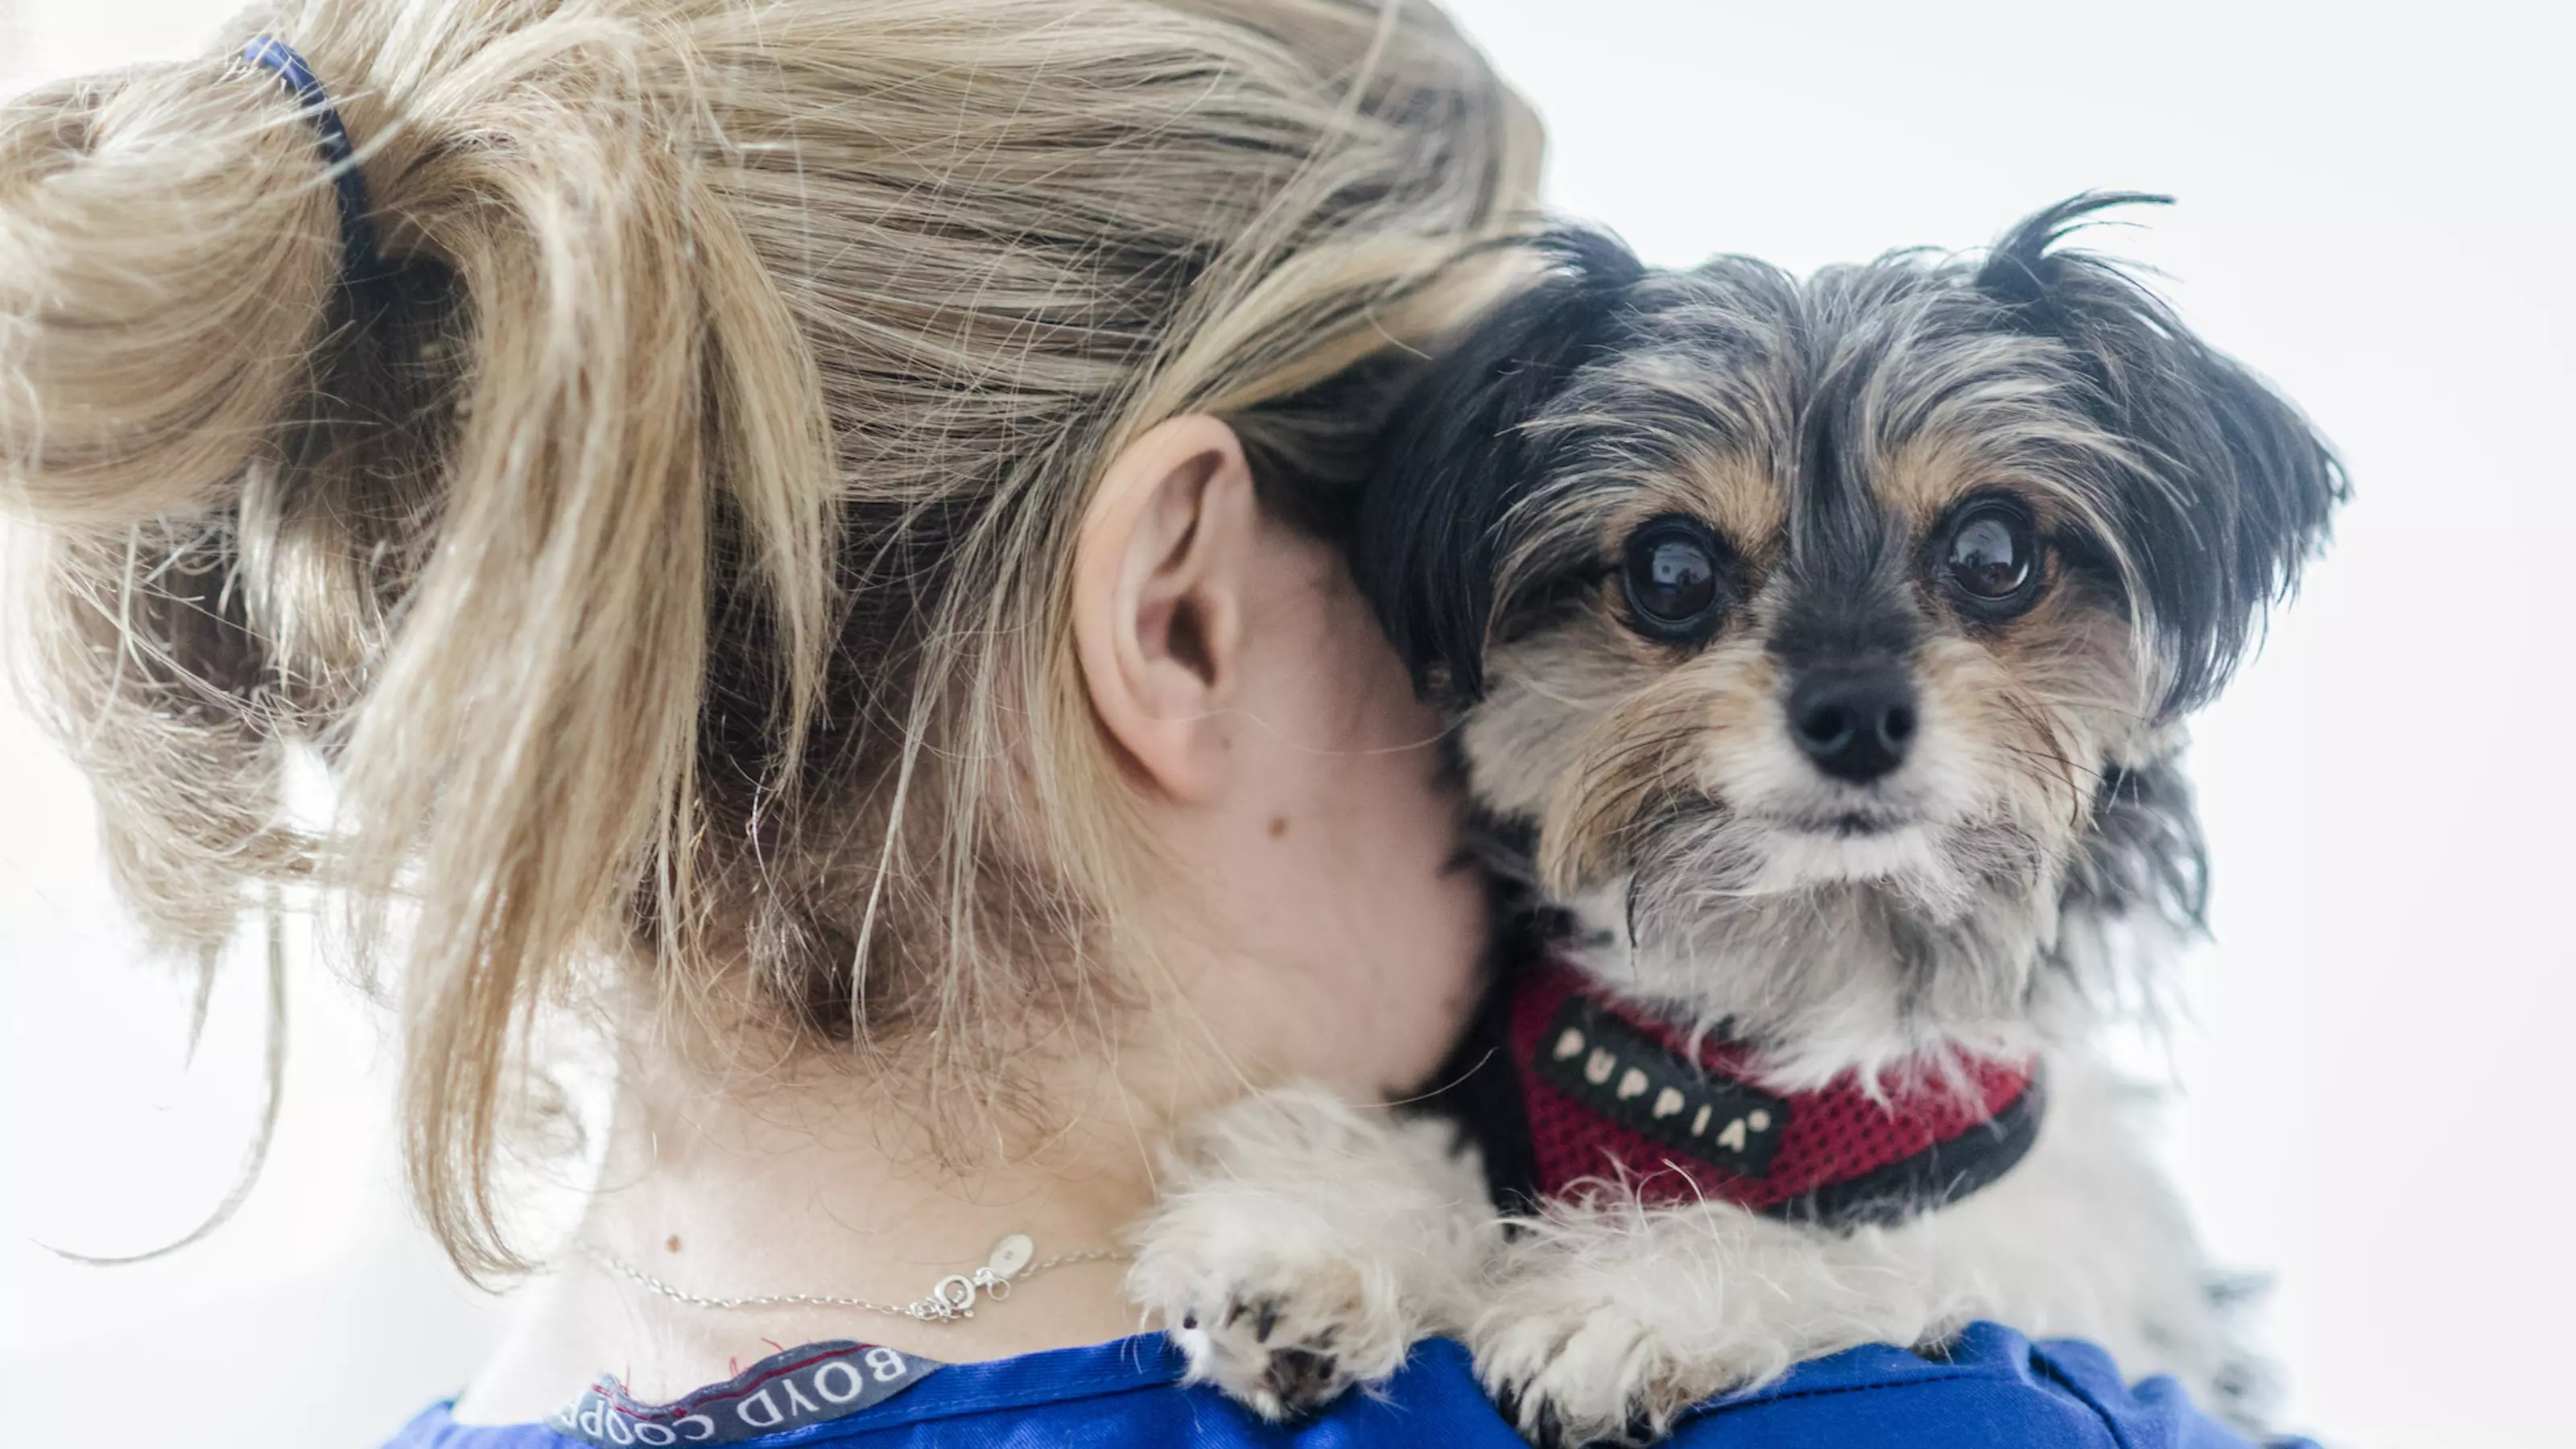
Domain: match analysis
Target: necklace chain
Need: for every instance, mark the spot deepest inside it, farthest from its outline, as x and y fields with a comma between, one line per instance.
x=951, y=1298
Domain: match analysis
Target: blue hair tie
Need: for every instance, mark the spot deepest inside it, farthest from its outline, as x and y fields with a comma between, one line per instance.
x=360, y=262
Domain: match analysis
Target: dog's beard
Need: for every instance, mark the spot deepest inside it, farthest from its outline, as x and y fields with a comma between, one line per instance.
x=1835, y=951
x=1703, y=861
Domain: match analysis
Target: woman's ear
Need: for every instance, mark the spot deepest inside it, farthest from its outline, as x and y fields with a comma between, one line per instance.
x=1160, y=577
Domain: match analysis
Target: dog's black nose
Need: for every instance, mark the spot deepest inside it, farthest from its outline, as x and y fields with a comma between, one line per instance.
x=1854, y=723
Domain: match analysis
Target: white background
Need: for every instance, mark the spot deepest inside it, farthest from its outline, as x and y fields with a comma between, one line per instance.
x=2375, y=212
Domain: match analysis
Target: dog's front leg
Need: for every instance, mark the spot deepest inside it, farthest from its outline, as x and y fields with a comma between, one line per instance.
x=1301, y=1244
x=1611, y=1318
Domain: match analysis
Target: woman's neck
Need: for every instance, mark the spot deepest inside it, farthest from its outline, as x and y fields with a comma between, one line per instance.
x=817, y=1188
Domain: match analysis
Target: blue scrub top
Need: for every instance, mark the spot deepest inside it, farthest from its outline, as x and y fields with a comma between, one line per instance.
x=1994, y=1389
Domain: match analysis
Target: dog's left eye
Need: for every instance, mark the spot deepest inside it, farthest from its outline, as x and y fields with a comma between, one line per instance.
x=1675, y=591
x=1993, y=557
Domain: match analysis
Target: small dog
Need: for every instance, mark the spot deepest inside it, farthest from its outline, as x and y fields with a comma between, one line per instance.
x=1818, y=650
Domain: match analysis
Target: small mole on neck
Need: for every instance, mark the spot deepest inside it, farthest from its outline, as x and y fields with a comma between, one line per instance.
x=1278, y=826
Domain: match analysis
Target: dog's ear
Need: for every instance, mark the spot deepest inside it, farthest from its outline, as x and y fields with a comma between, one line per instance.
x=2228, y=489
x=1455, y=458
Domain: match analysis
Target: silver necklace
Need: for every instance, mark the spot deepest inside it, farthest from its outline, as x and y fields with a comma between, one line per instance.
x=949, y=1299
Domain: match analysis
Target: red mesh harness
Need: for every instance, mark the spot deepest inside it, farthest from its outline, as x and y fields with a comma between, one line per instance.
x=1566, y=1084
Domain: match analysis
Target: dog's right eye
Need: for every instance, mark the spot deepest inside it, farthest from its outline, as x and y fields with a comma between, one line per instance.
x=1675, y=590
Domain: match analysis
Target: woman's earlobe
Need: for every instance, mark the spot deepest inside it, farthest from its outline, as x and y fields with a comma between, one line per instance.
x=1159, y=579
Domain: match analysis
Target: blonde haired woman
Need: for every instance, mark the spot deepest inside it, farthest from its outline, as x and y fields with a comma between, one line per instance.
x=802, y=532
x=804, y=535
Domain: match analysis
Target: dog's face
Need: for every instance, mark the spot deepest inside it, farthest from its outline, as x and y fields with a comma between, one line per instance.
x=1824, y=640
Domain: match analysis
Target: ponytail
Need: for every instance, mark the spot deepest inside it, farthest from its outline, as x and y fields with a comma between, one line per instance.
x=458, y=536
x=168, y=252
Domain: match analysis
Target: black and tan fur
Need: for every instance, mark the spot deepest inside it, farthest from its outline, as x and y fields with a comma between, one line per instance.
x=1851, y=454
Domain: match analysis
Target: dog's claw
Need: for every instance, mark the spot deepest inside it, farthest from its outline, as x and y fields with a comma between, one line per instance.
x=1274, y=1354
x=1302, y=1378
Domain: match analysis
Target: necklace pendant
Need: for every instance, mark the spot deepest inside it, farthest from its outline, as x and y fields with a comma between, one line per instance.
x=1010, y=1255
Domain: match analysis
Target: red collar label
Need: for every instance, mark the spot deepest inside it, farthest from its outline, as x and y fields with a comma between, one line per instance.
x=1610, y=1093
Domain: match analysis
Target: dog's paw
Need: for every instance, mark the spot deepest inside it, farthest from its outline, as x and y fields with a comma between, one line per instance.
x=1568, y=1375
x=1285, y=1339
x=1301, y=1245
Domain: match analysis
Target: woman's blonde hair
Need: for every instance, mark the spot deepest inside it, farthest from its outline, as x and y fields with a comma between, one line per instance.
x=668, y=554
